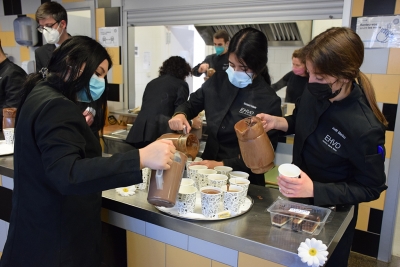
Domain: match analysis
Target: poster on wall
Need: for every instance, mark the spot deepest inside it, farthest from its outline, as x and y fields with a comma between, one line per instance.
x=109, y=36
x=379, y=32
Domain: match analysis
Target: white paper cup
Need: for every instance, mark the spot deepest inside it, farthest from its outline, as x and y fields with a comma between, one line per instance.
x=289, y=170
x=186, y=200
x=193, y=173
x=9, y=135
x=189, y=161
x=202, y=177
x=239, y=174
x=217, y=180
x=223, y=169
x=187, y=182
x=232, y=198
x=242, y=183
x=210, y=201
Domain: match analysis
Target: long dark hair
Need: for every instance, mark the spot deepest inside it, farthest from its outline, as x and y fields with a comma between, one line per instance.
x=339, y=52
x=65, y=65
x=251, y=47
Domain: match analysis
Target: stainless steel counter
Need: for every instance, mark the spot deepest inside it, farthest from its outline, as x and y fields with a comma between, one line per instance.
x=251, y=233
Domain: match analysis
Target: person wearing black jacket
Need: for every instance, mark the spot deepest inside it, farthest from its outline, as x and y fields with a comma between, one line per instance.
x=161, y=96
x=59, y=171
x=295, y=80
x=227, y=97
x=218, y=61
x=11, y=79
x=339, y=132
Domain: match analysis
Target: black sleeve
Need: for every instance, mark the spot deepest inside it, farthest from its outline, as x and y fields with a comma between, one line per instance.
x=195, y=70
x=13, y=87
x=282, y=82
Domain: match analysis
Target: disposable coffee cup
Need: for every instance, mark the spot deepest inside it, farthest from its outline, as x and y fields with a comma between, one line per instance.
x=217, y=180
x=232, y=198
x=239, y=174
x=9, y=135
x=289, y=170
x=210, y=200
x=186, y=200
x=244, y=183
x=202, y=176
x=193, y=173
x=187, y=182
x=223, y=169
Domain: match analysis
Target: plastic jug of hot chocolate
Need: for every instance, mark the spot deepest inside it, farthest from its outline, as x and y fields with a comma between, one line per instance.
x=255, y=146
x=186, y=143
x=164, y=184
x=9, y=117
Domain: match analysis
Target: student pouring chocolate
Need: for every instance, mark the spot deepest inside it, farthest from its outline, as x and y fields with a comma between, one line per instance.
x=228, y=97
x=339, y=132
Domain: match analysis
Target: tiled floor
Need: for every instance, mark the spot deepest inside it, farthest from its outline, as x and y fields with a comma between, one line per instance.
x=358, y=260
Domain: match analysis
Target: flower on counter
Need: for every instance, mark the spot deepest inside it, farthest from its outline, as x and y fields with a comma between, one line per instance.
x=126, y=191
x=313, y=252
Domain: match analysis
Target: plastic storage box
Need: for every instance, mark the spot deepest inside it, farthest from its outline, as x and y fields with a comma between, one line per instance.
x=298, y=217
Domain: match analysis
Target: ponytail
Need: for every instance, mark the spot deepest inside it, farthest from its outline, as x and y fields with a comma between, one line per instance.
x=265, y=74
x=369, y=92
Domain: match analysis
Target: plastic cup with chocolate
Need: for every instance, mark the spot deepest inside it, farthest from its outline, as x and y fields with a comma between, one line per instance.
x=255, y=146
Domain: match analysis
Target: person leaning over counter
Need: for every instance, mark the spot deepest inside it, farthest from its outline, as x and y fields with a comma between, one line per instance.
x=295, y=80
x=217, y=61
x=58, y=169
x=227, y=97
x=161, y=96
x=11, y=79
x=339, y=132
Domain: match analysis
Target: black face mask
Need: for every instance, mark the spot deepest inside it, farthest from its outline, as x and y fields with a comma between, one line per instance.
x=322, y=91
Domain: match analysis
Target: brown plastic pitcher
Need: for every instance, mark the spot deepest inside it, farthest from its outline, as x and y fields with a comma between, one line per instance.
x=164, y=185
x=255, y=146
x=186, y=143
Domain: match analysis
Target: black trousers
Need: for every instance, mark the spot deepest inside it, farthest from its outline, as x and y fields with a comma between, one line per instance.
x=340, y=255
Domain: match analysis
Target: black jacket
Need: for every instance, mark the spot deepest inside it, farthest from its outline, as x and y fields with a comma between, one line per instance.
x=11, y=79
x=295, y=86
x=219, y=63
x=58, y=178
x=43, y=55
x=224, y=105
x=161, y=96
x=337, y=145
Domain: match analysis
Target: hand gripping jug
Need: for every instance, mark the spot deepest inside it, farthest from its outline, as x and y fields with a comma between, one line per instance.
x=187, y=143
x=164, y=185
x=255, y=146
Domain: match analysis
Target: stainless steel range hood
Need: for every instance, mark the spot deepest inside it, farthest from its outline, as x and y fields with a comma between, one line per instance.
x=278, y=34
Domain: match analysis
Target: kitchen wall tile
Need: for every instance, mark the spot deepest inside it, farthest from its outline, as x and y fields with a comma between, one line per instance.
x=375, y=221
x=144, y=251
x=375, y=61
x=115, y=54
x=358, y=8
x=30, y=6
x=218, y=264
x=213, y=251
x=397, y=8
x=366, y=243
x=386, y=87
x=379, y=203
x=24, y=53
x=7, y=39
x=176, y=257
x=376, y=8
x=167, y=236
x=390, y=112
x=246, y=260
x=100, y=20
x=363, y=217
x=389, y=135
x=117, y=74
x=393, y=64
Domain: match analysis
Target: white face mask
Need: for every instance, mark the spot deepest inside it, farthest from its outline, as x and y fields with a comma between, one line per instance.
x=51, y=35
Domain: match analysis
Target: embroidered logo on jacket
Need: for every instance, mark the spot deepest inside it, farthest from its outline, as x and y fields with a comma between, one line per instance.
x=246, y=111
x=331, y=142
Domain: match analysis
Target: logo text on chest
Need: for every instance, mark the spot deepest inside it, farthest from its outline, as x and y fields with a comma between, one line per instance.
x=332, y=143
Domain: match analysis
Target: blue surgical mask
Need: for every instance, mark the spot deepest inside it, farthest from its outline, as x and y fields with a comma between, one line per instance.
x=239, y=78
x=97, y=86
x=219, y=50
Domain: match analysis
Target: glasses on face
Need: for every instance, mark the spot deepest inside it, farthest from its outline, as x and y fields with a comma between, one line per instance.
x=42, y=28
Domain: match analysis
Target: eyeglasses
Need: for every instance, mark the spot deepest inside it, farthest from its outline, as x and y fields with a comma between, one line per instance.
x=42, y=28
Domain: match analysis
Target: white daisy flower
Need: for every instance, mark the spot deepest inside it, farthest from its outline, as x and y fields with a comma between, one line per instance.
x=313, y=252
x=126, y=191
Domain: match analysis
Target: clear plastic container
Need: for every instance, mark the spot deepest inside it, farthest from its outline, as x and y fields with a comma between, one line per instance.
x=298, y=217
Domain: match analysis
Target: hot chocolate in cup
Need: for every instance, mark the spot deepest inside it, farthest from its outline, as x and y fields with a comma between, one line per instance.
x=202, y=176
x=210, y=200
x=223, y=169
x=244, y=183
x=289, y=170
x=239, y=174
x=217, y=180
